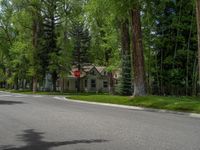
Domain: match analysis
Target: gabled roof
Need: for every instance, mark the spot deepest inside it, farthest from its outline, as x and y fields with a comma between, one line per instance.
x=100, y=69
x=86, y=70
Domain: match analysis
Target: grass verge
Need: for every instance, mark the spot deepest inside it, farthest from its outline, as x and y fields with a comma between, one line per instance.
x=45, y=93
x=183, y=104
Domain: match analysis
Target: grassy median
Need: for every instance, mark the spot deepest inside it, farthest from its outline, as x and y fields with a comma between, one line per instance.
x=184, y=104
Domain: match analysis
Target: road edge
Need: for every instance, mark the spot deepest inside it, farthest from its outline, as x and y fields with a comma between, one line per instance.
x=193, y=115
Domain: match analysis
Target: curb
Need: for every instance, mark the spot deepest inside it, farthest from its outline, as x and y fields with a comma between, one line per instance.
x=193, y=115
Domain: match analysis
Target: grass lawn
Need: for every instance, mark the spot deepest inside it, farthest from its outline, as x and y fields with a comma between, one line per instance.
x=30, y=92
x=43, y=92
x=184, y=104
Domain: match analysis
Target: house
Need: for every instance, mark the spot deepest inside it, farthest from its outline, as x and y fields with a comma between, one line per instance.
x=92, y=79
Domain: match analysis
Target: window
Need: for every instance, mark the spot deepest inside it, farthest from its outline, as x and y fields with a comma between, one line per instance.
x=93, y=72
x=105, y=84
x=86, y=83
x=93, y=83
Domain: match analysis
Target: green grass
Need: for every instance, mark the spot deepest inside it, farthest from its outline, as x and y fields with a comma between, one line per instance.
x=44, y=93
x=30, y=92
x=184, y=104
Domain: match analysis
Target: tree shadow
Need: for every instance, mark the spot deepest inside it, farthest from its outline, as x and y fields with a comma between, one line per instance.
x=34, y=141
x=5, y=102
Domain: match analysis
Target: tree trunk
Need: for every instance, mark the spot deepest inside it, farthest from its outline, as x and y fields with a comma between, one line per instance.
x=34, y=84
x=198, y=34
x=63, y=85
x=17, y=84
x=111, y=83
x=126, y=85
x=194, y=78
x=35, y=30
x=138, y=56
x=54, y=79
x=78, y=78
x=125, y=37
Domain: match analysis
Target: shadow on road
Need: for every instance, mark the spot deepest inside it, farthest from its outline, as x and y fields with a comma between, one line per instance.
x=34, y=141
x=5, y=102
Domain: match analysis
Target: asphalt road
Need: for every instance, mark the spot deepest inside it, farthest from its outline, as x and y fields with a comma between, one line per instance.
x=29, y=122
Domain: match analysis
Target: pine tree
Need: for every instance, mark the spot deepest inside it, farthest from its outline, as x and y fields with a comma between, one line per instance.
x=125, y=85
x=81, y=40
x=51, y=21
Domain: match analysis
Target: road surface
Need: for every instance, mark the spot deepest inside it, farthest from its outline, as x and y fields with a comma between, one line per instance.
x=32, y=122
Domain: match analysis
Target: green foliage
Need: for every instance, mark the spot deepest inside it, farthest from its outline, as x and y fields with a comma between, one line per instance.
x=125, y=81
x=104, y=42
x=170, y=46
x=81, y=42
x=36, y=38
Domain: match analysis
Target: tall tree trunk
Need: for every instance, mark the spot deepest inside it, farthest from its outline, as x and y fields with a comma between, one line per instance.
x=34, y=84
x=34, y=42
x=126, y=59
x=138, y=56
x=54, y=80
x=16, y=85
x=188, y=89
x=63, y=85
x=111, y=83
x=125, y=37
x=194, y=78
x=198, y=34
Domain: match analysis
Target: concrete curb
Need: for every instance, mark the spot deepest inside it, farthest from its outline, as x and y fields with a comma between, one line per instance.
x=193, y=115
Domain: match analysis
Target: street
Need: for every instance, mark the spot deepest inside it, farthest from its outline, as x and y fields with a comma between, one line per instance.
x=34, y=122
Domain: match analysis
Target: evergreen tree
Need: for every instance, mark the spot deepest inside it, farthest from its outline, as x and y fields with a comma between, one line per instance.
x=125, y=83
x=51, y=20
x=175, y=46
x=81, y=42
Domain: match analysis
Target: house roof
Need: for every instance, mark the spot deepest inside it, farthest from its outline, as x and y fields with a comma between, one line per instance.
x=100, y=69
x=86, y=69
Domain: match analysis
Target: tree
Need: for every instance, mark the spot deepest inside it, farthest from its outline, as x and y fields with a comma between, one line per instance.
x=175, y=47
x=120, y=10
x=51, y=20
x=138, y=56
x=36, y=40
x=57, y=19
x=126, y=78
x=104, y=32
x=198, y=33
x=81, y=40
x=157, y=36
x=7, y=36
